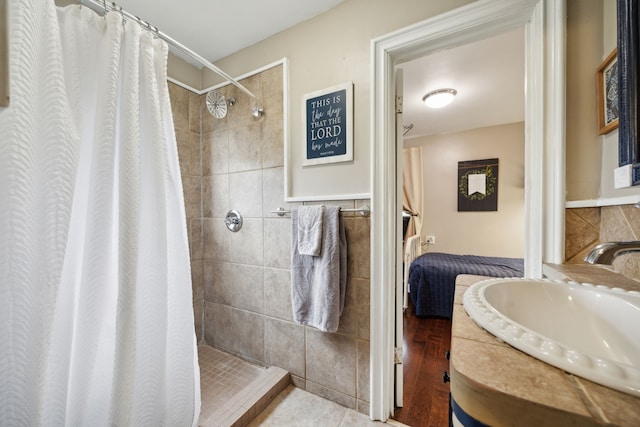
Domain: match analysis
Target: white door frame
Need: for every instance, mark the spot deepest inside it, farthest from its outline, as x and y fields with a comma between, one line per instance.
x=397, y=241
x=544, y=22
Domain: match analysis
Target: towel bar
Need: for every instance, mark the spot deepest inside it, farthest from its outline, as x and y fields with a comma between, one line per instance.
x=363, y=210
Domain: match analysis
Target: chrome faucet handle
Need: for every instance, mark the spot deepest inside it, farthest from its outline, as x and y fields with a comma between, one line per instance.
x=233, y=221
x=605, y=253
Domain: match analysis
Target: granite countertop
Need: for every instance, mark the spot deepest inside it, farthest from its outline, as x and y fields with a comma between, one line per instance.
x=499, y=385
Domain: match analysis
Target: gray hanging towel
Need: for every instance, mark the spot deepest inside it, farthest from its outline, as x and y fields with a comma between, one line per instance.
x=318, y=283
x=310, y=230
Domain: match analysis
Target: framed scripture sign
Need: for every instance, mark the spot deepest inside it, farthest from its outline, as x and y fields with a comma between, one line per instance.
x=328, y=125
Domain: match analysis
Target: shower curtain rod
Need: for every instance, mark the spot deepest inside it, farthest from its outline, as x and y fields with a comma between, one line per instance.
x=103, y=6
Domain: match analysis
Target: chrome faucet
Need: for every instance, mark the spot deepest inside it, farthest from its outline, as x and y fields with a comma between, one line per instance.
x=604, y=253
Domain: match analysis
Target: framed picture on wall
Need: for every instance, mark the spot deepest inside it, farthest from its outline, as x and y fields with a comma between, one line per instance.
x=328, y=125
x=607, y=85
x=478, y=185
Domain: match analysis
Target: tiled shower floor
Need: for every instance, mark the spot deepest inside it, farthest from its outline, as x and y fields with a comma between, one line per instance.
x=233, y=391
x=236, y=393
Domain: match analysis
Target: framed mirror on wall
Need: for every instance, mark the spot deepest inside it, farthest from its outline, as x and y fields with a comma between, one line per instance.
x=628, y=45
x=4, y=55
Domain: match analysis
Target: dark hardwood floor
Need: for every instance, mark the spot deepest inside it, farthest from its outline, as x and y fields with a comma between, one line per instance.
x=426, y=396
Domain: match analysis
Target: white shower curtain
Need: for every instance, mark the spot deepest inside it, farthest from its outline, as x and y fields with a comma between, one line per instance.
x=96, y=317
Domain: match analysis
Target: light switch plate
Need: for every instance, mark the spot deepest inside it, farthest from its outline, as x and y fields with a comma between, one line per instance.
x=622, y=177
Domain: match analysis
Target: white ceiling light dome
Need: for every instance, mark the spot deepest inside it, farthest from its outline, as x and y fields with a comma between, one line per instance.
x=439, y=98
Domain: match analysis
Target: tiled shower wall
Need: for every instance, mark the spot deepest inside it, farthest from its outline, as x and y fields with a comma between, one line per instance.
x=586, y=227
x=241, y=281
x=185, y=106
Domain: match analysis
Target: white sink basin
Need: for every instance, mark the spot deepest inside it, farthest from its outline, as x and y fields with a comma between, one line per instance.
x=590, y=331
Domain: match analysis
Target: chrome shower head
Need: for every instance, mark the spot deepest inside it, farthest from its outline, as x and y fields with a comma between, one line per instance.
x=217, y=104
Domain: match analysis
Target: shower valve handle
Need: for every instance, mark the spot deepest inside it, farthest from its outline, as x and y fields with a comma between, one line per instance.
x=233, y=220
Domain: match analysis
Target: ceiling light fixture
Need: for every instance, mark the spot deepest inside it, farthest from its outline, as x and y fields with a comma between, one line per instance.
x=439, y=98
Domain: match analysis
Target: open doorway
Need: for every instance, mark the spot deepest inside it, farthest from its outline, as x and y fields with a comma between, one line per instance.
x=484, y=121
x=544, y=151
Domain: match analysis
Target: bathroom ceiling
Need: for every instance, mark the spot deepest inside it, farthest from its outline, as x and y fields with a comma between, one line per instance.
x=488, y=74
x=489, y=78
x=215, y=29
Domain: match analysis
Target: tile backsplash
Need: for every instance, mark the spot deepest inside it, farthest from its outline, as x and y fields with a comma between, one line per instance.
x=582, y=233
x=586, y=227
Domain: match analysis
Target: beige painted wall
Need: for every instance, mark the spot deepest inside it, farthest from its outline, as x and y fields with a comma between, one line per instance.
x=184, y=72
x=330, y=49
x=335, y=47
x=584, y=54
x=610, y=141
x=591, y=158
x=498, y=233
